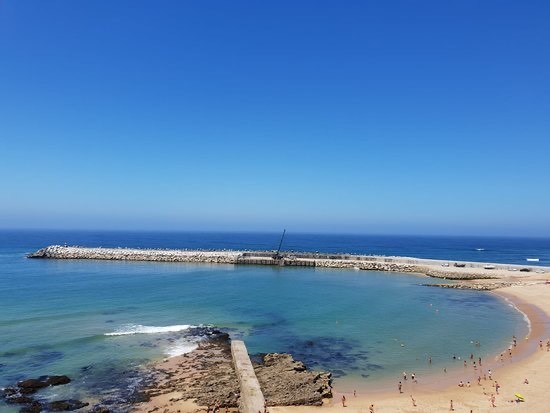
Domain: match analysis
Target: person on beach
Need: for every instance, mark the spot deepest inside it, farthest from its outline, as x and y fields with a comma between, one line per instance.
x=497, y=386
x=451, y=408
x=405, y=375
x=465, y=364
x=430, y=360
x=479, y=380
x=354, y=393
x=371, y=408
x=493, y=400
x=490, y=374
x=515, y=341
x=400, y=387
x=413, y=401
x=526, y=381
x=479, y=359
x=540, y=344
x=343, y=401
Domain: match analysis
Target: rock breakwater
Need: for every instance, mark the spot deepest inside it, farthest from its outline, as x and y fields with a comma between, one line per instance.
x=432, y=268
x=135, y=254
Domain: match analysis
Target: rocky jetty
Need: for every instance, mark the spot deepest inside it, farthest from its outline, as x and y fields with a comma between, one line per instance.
x=135, y=254
x=432, y=268
x=470, y=286
x=287, y=382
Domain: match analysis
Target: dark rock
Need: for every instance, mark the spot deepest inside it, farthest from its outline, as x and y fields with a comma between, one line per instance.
x=57, y=380
x=100, y=409
x=34, y=407
x=31, y=385
x=66, y=405
x=9, y=391
x=139, y=397
x=19, y=399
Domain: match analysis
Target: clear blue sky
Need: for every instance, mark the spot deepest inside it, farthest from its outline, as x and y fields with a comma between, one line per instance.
x=428, y=117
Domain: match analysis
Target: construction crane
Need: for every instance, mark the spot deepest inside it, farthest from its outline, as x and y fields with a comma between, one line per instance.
x=277, y=255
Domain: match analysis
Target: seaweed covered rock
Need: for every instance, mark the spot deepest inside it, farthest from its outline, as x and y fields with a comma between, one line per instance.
x=287, y=382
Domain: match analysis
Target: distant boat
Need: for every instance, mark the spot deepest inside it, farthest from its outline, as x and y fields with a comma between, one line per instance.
x=532, y=259
x=480, y=249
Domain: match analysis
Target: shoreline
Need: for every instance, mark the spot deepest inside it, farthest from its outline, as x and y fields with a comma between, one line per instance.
x=433, y=393
x=528, y=362
x=527, y=291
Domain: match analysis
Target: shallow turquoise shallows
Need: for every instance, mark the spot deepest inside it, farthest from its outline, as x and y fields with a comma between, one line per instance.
x=93, y=319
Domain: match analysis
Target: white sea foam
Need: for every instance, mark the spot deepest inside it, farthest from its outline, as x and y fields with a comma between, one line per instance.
x=525, y=318
x=130, y=329
x=180, y=347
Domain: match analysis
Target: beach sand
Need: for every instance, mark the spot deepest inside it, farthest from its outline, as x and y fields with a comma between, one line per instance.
x=530, y=293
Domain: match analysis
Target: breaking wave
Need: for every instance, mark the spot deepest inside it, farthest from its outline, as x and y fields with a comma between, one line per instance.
x=180, y=348
x=139, y=329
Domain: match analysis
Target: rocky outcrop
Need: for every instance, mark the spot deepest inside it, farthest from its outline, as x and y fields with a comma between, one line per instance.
x=205, y=375
x=287, y=382
x=31, y=386
x=486, y=286
x=21, y=394
x=66, y=405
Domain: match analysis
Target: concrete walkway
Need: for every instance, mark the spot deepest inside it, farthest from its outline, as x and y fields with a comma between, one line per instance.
x=252, y=399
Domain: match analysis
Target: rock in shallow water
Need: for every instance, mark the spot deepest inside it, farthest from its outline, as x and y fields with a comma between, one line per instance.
x=66, y=405
x=34, y=407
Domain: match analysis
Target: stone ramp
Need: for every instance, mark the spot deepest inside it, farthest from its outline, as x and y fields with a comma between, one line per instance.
x=251, y=399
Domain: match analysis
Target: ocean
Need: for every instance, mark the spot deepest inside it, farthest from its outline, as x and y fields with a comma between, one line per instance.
x=100, y=322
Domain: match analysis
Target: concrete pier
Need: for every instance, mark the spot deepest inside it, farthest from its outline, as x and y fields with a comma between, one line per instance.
x=251, y=400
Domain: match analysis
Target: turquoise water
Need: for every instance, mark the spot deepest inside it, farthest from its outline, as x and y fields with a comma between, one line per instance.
x=364, y=326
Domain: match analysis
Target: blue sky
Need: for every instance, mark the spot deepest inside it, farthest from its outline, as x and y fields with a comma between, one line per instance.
x=419, y=117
